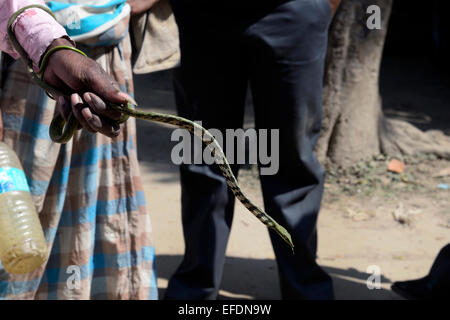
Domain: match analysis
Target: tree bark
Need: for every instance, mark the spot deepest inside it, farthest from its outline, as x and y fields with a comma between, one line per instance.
x=354, y=126
x=352, y=105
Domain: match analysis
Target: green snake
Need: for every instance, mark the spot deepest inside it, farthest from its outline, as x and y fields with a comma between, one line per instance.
x=62, y=132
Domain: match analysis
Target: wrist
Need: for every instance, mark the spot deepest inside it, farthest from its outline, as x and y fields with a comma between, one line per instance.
x=63, y=41
x=60, y=42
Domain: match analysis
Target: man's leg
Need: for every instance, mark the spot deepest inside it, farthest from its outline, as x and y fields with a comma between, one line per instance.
x=288, y=49
x=210, y=86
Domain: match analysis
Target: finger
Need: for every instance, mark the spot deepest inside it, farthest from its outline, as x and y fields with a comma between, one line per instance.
x=63, y=107
x=101, y=124
x=77, y=107
x=103, y=84
x=100, y=107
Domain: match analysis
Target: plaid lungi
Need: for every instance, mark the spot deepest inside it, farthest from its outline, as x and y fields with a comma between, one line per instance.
x=88, y=193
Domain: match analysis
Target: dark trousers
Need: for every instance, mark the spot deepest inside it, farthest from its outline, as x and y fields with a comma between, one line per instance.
x=278, y=47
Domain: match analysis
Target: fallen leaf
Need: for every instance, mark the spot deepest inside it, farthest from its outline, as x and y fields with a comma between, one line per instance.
x=396, y=166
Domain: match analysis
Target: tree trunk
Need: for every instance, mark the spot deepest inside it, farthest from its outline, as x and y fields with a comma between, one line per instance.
x=352, y=105
x=354, y=126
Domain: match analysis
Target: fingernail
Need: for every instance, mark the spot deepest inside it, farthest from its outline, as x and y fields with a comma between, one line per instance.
x=128, y=98
x=87, y=98
x=75, y=99
x=87, y=114
x=95, y=122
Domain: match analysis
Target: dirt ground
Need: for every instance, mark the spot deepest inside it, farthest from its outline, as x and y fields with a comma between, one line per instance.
x=369, y=217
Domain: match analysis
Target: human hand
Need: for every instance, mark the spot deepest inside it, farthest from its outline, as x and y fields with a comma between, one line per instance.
x=70, y=71
x=140, y=6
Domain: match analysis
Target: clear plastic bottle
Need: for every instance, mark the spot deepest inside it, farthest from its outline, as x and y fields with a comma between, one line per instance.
x=22, y=244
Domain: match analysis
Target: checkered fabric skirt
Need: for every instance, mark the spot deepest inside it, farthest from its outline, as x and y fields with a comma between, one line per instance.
x=88, y=193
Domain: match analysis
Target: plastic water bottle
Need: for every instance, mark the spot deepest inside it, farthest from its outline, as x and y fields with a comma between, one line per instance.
x=23, y=248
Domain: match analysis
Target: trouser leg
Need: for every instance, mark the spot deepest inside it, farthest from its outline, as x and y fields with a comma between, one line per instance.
x=210, y=86
x=288, y=48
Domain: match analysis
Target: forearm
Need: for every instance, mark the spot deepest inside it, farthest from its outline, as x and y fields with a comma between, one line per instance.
x=35, y=29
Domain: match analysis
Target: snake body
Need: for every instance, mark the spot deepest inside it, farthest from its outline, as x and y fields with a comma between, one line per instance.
x=62, y=132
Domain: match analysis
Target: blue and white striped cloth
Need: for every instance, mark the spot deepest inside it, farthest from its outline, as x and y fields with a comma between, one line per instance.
x=85, y=20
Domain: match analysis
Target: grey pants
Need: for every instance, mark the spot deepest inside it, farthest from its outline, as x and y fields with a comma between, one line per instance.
x=278, y=47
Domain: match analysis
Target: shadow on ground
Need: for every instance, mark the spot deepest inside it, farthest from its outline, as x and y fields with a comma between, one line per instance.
x=245, y=278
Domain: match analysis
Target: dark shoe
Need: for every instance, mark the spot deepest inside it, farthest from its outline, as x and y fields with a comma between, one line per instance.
x=413, y=289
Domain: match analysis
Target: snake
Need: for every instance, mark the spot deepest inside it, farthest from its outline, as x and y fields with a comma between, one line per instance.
x=61, y=131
